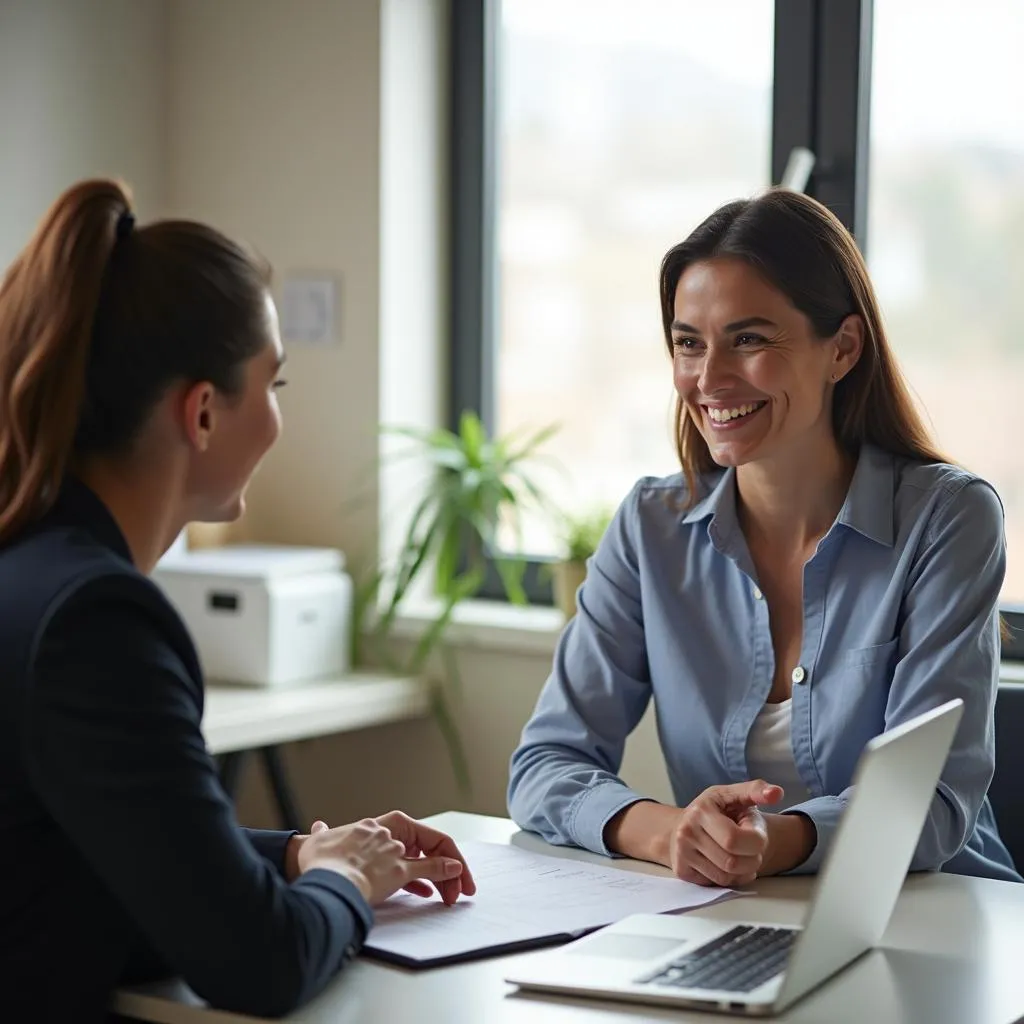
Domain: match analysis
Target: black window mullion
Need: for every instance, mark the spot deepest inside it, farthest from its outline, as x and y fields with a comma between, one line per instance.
x=473, y=210
x=842, y=36
x=475, y=181
x=821, y=101
x=793, y=81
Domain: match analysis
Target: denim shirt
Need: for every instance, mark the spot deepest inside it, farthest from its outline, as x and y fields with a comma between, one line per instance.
x=900, y=613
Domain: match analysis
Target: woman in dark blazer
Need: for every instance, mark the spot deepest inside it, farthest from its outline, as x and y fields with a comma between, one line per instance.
x=138, y=372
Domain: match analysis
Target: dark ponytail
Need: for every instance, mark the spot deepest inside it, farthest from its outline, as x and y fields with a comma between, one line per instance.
x=97, y=320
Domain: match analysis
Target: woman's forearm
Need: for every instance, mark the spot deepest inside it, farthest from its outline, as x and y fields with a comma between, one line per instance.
x=642, y=831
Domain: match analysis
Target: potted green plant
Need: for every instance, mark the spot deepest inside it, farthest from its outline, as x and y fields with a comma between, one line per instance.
x=475, y=485
x=581, y=535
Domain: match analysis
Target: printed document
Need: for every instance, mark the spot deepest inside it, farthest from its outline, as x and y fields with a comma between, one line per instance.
x=523, y=899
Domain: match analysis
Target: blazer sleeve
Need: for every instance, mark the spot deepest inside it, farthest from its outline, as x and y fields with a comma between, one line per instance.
x=270, y=844
x=115, y=752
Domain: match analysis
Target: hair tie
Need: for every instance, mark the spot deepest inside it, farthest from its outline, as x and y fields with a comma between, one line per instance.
x=125, y=223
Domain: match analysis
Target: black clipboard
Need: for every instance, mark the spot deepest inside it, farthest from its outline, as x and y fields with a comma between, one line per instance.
x=482, y=953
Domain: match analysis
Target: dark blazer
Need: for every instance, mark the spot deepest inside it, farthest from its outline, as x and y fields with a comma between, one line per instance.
x=120, y=856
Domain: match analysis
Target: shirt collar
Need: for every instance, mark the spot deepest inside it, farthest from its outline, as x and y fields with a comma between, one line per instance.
x=80, y=506
x=719, y=499
x=867, y=508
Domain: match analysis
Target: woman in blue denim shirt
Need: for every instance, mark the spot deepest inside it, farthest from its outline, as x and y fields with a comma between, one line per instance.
x=818, y=573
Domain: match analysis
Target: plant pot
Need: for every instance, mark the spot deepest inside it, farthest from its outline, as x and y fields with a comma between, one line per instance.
x=567, y=578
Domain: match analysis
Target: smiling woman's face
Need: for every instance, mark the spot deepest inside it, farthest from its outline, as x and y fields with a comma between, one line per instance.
x=751, y=372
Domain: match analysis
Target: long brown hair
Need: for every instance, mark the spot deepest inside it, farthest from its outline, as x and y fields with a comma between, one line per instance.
x=803, y=249
x=97, y=319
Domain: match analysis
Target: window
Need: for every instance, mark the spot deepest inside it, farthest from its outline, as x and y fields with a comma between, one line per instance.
x=946, y=228
x=589, y=137
x=620, y=126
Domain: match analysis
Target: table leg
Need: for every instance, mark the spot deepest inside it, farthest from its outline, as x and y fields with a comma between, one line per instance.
x=286, y=804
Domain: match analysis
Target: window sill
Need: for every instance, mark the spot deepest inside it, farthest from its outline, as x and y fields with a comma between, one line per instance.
x=491, y=625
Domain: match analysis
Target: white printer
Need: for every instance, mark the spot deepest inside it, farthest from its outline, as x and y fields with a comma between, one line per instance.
x=263, y=614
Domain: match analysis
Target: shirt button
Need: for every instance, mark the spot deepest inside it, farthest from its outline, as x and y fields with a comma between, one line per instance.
x=757, y=594
x=799, y=675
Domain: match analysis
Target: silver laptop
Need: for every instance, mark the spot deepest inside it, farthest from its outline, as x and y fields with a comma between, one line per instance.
x=753, y=968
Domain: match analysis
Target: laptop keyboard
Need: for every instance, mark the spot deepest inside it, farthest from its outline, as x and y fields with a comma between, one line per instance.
x=737, y=961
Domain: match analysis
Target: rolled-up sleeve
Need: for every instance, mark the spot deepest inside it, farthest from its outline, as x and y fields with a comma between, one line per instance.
x=563, y=780
x=948, y=647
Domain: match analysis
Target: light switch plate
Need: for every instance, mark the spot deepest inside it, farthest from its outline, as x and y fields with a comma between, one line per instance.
x=309, y=310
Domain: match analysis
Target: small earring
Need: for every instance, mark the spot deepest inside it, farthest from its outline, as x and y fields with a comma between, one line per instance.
x=835, y=377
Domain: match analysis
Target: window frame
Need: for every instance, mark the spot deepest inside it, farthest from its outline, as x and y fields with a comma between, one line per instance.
x=821, y=100
x=473, y=161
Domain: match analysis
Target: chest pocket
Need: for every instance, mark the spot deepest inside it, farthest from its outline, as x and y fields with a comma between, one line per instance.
x=856, y=710
x=872, y=661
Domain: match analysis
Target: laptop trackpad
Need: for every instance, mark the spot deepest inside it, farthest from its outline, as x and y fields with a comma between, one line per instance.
x=627, y=947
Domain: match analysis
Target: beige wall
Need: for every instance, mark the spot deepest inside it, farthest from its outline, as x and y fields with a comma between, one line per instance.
x=273, y=136
x=83, y=88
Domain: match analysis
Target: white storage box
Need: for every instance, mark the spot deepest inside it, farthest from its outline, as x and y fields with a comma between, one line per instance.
x=263, y=614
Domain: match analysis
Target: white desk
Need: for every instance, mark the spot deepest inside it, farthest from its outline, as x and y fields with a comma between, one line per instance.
x=954, y=954
x=238, y=719
x=247, y=717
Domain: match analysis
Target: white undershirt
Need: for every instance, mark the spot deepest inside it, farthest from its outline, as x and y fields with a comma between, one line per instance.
x=770, y=754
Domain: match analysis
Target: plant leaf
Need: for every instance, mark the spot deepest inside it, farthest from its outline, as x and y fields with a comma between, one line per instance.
x=471, y=430
x=364, y=597
x=453, y=740
x=412, y=553
x=474, y=485
x=435, y=437
x=511, y=572
x=465, y=586
x=535, y=440
x=447, y=563
x=451, y=670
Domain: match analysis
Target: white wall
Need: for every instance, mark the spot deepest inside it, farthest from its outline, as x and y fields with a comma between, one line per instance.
x=82, y=94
